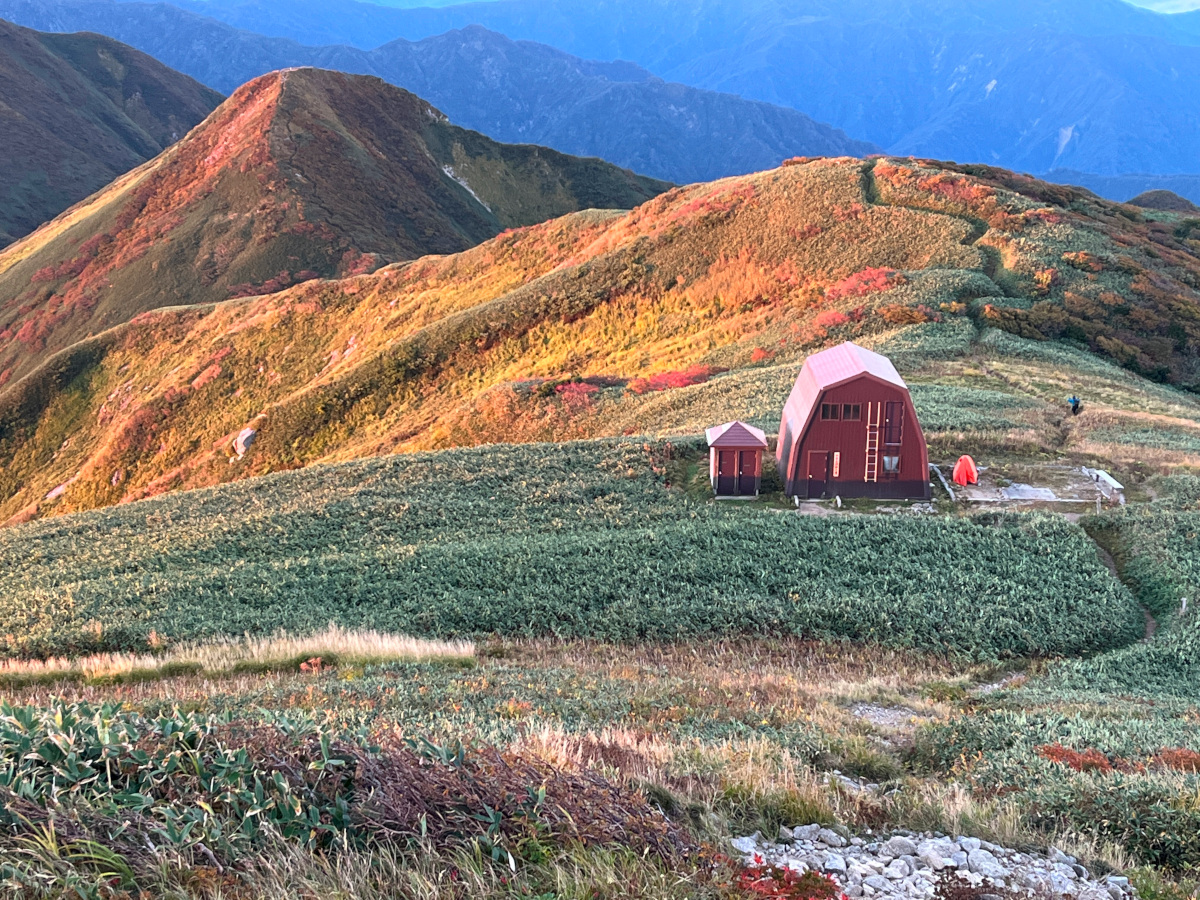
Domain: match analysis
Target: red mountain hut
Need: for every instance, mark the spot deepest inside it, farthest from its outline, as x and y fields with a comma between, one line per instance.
x=849, y=429
x=735, y=452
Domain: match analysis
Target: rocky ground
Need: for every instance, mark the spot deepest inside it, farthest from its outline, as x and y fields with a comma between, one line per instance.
x=907, y=865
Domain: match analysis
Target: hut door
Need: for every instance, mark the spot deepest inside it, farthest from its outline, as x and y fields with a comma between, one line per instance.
x=747, y=472
x=727, y=473
x=893, y=425
x=818, y=472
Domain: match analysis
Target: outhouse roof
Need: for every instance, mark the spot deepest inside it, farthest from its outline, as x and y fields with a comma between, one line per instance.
x=736, y=434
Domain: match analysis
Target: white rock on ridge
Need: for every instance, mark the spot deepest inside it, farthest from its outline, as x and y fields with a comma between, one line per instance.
x=905, y=866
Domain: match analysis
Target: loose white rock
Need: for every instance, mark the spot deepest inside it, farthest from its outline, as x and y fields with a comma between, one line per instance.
x=746, y=845
x=835, y=863
x=899, y=846
x=981, y=862
x=830, y=838
x=905, y=866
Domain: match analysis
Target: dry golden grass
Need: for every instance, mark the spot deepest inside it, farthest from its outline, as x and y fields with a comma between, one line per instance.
x=334, y=646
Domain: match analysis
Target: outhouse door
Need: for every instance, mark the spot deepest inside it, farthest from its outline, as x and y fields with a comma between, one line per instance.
x=818, y=472
x=727, y=473
x=747, y=472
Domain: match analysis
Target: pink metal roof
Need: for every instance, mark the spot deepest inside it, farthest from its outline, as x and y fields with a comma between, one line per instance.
x=838, y=364
x=827, y=369
x=736, y=434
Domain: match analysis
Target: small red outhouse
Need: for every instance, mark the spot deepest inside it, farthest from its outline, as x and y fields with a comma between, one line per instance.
x=849, y=429
x=735, y=452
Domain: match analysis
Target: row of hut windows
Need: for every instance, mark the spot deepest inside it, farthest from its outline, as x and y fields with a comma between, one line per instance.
x=846, y=412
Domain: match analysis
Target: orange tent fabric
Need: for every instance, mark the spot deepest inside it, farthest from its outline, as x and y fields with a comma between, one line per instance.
x=965, y=471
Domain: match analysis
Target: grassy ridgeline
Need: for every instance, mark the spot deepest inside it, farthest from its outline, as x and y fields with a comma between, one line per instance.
x=575, y=540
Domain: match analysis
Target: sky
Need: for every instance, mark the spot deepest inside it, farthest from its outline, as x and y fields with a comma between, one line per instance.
x=1168, y=5
x=1160, y=5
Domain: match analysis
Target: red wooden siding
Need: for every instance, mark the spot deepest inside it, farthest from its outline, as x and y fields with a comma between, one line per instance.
x=735, y=459
x=823, y=439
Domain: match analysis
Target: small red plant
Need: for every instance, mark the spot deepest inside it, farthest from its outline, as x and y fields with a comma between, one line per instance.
x=666, y=381
x=868, y=281
x=1080, y=761
x=314, y=666
x=1180, y=759
x=783, y=884
x=758, y=354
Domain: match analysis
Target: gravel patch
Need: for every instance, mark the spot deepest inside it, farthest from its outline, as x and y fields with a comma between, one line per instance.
x=904, y=866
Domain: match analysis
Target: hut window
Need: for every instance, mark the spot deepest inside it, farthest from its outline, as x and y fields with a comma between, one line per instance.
x=829, y=412
x=891, y=466
x=851, y=412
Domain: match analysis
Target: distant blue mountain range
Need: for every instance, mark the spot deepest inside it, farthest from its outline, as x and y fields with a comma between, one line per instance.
x=1100, y=88
x=1095, y=86
x=517, y=92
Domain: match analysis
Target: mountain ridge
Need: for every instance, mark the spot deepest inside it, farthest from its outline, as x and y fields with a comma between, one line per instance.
x=78, y=111
x=301, y=174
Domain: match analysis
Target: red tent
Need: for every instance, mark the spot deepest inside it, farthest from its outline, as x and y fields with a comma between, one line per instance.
x=965, y=471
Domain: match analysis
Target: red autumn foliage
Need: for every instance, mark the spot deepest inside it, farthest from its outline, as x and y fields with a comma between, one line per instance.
x=1180, y=759
x=1083, y=261
x=831, y=318
x=666, y=381
x=957, y=190
x=758, y=354
x=1079, y=761
x=783, y=884
x=718, y=201
x=283, y=280
x=849, y=213
x=576, y=389
x=207, y=377
x=868, y=281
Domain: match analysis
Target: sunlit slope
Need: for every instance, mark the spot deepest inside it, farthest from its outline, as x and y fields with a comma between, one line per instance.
x=596, y=323
x=301, y=174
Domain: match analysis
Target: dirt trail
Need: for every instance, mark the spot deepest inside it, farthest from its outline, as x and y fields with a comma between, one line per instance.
x=1111, y=564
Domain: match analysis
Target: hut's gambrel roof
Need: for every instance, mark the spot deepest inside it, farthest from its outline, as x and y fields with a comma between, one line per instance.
x=828, y=369
x=736, y=434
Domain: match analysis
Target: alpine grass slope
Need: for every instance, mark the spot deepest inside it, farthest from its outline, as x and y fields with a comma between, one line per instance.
x=589, y=325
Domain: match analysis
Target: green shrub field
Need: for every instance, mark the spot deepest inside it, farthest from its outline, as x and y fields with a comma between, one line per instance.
x=575, y=540
x=1108, y=745
x=943, y=407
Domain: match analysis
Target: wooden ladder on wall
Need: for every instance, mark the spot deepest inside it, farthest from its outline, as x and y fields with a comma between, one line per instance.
x=874, y=422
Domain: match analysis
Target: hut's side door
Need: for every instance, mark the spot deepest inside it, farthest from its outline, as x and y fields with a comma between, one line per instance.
x=818, y=472
x=748, y=472
x=727, y=473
